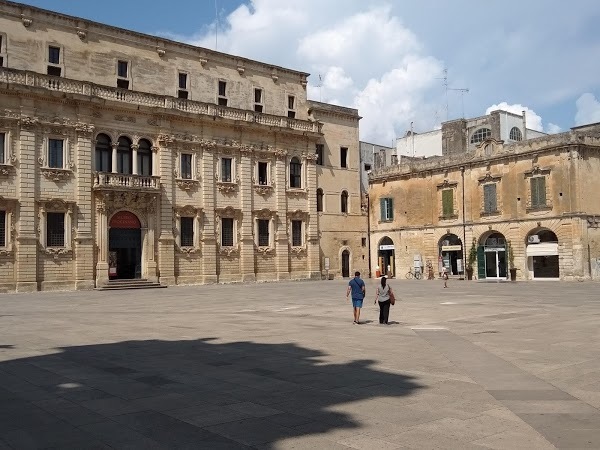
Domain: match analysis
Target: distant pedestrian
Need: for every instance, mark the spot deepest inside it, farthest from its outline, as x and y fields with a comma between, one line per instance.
x=356, y=286
x=383, y=298
x=445, y=276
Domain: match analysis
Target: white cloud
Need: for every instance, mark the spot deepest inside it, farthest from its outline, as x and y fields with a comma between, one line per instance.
x=588, y=109
x=552, y=128
x=534, y=121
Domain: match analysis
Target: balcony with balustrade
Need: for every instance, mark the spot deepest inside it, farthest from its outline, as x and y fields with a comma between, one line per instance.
x=105, y=181
x=21, y=78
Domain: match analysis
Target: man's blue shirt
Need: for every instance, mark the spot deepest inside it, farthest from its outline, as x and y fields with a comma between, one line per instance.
x=357, y=284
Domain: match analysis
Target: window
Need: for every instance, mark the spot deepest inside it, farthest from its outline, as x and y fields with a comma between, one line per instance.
x=3, y=150
x=124, y=155
x=226, y=175
x=344, y=157
x=363, y=242
x=387, y=209
x=187, y=231
x=367, y=167
x=481, y=135
x=319, y=151
x=186, y=166
x=103, y=153
x=222, y=100
x=344, y=200
x=515, y=134
x=55, y=229
x=258, y=100
x=296, y=233
x=123, y=74
x=263, y=232
x=538, y=192
x=447, y=202
x=319, y=200
x=295, y=173
x=55, y=153
x=226, y=232
x=54, y=71
x=2, y=50
x=144, y=158
x=263, y=173
x=489, y=198
x=2, y=228
x=291, y=107
x=182, y=92
x=53, y=55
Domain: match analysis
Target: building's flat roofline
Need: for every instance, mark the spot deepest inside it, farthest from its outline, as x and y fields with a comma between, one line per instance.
x=593, y=124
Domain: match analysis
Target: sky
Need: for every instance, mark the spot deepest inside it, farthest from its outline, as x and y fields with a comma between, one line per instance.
x=392, y=60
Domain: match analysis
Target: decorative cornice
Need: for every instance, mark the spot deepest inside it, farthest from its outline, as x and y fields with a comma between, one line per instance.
x=187, y=185
x=56, y=174
x=264, y=189
x=57, y=252
x=489, y=178
x=229, y=251
x=226, y=187
x=537, y=171
x=447, y=184
x=297, y=192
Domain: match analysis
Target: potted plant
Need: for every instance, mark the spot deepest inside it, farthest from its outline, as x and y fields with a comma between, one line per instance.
x=471, y=258
x=511, y=261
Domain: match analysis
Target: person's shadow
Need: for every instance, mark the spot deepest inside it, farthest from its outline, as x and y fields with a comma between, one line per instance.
x=183, y=394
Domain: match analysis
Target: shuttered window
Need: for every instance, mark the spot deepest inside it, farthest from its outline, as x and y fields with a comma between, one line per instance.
x=263, y=232
x=2, y=228
x=187, y=231
x=489, y=198
x=538, y=192
x=296, y=233
x=55, y=230
x=387, y=209
x=447, y=203
x=227, y=232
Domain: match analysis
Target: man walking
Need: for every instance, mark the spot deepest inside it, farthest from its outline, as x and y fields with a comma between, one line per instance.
x=356, y=286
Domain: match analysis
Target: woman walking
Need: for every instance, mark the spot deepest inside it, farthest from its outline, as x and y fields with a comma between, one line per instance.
x=383, y=298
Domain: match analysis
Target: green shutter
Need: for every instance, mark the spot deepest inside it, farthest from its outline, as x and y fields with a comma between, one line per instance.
x=489, y=198
x=534, y=196
x=382, y=208
x=447, y=203
x=480, y=263
x=541, y=184
x=390, y=203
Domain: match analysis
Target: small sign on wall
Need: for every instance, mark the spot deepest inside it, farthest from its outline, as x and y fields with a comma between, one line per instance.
x=326, y=263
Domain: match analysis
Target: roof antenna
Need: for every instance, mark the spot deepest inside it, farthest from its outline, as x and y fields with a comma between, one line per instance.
x=216, y=25
x=320, y=85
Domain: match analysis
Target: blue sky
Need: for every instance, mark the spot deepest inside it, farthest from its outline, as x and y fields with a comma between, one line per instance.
x=387, y=58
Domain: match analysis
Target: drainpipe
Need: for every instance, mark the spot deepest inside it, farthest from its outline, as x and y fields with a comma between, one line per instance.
x=369, y=232
x=464, y=219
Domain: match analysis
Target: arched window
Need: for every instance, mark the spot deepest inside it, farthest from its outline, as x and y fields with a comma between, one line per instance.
x=144, y=158
x=481, y=135
x=124, y=155
x=295, y=173
x=319, y=200
x=515, y=134
x=103, y=153
x=344, y=198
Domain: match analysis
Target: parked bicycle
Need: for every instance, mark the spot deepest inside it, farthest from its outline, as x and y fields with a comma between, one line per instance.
x=416, y=274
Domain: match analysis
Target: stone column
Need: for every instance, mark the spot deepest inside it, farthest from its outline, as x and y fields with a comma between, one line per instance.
x=209, y=234
x=26, y=259
x=84, y=239
x=166, y=239
x=150, y=241
x=244, y=177
x=154, y=170
x=101, y=241
x=282, y=249
x=114, y=157
x=312, y=229
x=134, y=164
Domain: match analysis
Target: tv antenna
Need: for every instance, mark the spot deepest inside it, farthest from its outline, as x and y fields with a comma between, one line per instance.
x=216, y=25
x=462, y=91
x=320, y=85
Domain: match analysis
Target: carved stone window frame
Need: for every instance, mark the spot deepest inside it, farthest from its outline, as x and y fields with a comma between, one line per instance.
x=56, y=205
x=446, y=185
x=61, y=56
x=8, y=205
x=230, y=213
x=196, y=214
x=303, y=189
x=303, y=217
x=8, y=157
x=3, y=52
x=538, y=172
x=56, y=173
x=263, y=189
x=486, y=180
x=227, y=186
x=187, y=184
x=271, y=216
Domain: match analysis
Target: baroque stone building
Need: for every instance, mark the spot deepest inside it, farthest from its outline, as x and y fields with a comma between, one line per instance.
x=124, y=155
x=536, y=197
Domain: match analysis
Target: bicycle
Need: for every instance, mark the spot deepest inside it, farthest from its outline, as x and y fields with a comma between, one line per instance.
x=416, y=274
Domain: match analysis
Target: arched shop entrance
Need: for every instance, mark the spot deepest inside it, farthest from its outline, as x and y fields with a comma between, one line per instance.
x=542, y=255
x=491, y=257
x=124, y=246
x=385, y=257
x=451, y=254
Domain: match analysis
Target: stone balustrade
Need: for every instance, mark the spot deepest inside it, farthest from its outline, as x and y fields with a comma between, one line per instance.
x=122, y=181
x=15, y=77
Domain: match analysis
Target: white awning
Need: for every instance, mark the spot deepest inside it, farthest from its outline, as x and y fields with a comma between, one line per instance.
x=543, y=249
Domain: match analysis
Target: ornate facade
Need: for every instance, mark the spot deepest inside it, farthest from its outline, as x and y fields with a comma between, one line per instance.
x=124, y=155
x=529, y=205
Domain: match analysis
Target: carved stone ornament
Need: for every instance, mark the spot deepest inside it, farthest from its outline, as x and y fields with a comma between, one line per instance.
x=203, y=61
x=187, y=185
x=124, y=118
x=153, y=121
x=297, y=250
x=297, y=192
x=28, y=122
x=84, y=128
x=228, y=251
x=280, y=153
x=264, y=213
x=5, y=169
x=188, y=250
x=208, y=143
x=311, y=157
x=161, y=51
x=26, y=21
x=241, y=70
x=264, y=251
x=246, y=149
x=57, y=252
x=263, y=189
x=489, y=178
x=81, y=34
x=447, y=184
x=56, y=174
x=226, y=187
x=165, y=138
x=537, y=171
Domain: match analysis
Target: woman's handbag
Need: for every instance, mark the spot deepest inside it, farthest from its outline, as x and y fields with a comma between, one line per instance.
x=392, y=298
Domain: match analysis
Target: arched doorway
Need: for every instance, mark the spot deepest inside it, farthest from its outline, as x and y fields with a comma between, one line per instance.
x=542, y=255
x=345, y=264
x=451, y=254
x=124, y=246
x=491, y=257
x=385, y=257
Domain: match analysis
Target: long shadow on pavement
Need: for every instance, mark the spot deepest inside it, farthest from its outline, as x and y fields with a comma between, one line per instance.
x=183, y=394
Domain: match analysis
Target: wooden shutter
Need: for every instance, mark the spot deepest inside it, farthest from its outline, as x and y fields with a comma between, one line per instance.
x=489, y=198
x=480, y=263
x=382, y=205
x=538, y=192
x=390, y=207
x=447, y=203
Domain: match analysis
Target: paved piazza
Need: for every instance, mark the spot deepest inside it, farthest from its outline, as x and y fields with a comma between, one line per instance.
x=280, y=365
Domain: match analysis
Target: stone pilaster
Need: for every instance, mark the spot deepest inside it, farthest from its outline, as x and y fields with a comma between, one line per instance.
x=246, y=226
x=312, y=228
x=27, y=238
x=282, y=250
x=166, y=239
x=84, y=239
x=209, y=234
x=101, y=241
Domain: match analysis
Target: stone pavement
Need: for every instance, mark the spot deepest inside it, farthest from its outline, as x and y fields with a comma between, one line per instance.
x=280, y=365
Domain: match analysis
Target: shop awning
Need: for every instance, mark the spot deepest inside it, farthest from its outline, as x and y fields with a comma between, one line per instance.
x=543, y=249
